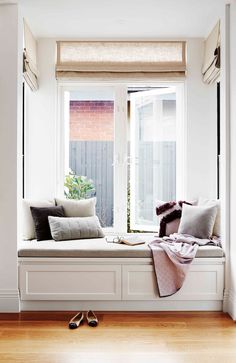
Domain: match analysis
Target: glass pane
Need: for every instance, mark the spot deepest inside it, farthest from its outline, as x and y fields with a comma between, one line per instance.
x=91, y=138
x=153, y=148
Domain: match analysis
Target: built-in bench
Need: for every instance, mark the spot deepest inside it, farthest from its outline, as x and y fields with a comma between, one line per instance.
x=95, y=274
x=97, y=247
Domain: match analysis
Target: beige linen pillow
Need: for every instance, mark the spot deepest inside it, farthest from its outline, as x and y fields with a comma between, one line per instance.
x=78, y=208
x=197, y=221
x=75, y=228
x=28, y=229
x=211, y=202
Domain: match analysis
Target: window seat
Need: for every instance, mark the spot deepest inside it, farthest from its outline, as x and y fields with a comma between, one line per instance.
x=98, y=248
x=93, y=274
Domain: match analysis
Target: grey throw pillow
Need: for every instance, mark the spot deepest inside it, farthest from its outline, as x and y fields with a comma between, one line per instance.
x=75, y=228
x=208, y=203
x=197, y=221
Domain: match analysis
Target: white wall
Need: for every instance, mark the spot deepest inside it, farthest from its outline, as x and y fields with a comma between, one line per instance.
x=40, y=154
x=10, y=152
x=230, y=82
x=201, y=128
x=201, y=122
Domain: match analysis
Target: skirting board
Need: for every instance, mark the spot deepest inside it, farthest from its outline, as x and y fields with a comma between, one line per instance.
x=121, y=305
x=230, y=303
x=9, y=301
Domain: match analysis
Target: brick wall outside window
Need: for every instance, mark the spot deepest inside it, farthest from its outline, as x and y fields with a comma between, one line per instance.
x=91, y=120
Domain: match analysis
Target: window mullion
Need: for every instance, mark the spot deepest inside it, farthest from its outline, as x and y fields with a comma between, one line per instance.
x=181, y=140
x=120, y=160
x=62, y=141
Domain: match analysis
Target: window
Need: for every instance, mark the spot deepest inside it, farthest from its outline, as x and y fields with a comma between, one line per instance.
x=153, y=153
x=91, y=144
x=129, y=140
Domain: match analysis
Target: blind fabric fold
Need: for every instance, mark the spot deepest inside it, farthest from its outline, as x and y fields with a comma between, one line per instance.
x=30, y=71
x=74, y=58
x=211, y=64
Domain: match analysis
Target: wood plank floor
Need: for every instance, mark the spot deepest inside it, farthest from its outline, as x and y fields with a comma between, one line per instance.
x=120, y=337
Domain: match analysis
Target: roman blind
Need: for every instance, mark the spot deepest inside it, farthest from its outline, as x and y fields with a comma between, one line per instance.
x=30, y=71
x=77, y=57
x=211, y=64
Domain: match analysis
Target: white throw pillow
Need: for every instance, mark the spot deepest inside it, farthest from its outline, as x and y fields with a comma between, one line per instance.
x=197, y=221
x=28, y=230
x=78, y=208
x=211, y=202
x=63, y=229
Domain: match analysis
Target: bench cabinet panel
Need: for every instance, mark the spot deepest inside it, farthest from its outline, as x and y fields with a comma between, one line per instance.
x=70, y=282
x=203, y=282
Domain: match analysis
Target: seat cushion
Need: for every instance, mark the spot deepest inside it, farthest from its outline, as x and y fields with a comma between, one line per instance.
x=97, y=247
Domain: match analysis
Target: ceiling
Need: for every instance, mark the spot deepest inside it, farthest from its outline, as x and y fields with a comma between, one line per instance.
x=121, y=19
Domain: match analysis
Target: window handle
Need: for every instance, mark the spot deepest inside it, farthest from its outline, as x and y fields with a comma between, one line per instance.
x=130, y=160
x=127, y=160
x=117, y=161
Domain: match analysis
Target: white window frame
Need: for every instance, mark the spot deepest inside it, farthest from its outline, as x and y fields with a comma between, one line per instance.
x=120, y=140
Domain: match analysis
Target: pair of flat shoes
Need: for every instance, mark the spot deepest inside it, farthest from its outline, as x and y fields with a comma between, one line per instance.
x=75, y=322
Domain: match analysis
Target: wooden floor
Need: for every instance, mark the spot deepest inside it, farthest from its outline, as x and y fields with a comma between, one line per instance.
x=120, y=337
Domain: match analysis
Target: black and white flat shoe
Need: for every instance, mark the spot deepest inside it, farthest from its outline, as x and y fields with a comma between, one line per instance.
x=91, y=318
x=75, y=322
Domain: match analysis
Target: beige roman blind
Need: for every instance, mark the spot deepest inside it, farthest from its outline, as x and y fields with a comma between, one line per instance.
x=30, y=70
x=211, y=64
x=76, y=57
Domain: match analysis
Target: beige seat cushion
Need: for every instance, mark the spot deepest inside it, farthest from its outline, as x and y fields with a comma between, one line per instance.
x=97, y=247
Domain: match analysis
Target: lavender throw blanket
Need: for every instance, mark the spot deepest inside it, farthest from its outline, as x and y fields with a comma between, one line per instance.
x=172, y=257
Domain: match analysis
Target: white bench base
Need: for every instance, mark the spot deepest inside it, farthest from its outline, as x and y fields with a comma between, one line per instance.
x=115, y=284
x=121, y=306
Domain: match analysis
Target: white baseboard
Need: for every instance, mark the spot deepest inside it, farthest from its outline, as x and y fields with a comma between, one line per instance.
x=9, y=301
x=122, y=305
x=229, y=305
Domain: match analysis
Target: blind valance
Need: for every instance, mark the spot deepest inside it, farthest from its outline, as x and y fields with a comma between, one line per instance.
x=75, y=57
x=211, y=64
x=30, y=70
